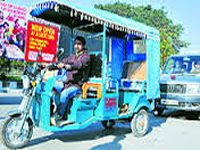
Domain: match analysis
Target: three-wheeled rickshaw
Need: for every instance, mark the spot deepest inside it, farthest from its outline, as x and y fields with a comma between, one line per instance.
x=124, y=90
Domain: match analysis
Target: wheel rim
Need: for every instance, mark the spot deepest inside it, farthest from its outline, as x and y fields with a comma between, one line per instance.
x=141, y=123
x=109, y=123
x=12, y=134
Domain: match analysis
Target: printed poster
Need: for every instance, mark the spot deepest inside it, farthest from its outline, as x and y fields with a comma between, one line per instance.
x=41, y=38
x=12, y=31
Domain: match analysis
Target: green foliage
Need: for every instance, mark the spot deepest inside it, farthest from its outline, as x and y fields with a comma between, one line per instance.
x=169, y=33
x=7, y=66
x=13, y=78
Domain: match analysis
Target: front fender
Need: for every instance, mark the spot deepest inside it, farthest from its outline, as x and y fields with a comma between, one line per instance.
x=145, y=105
x=14, y=113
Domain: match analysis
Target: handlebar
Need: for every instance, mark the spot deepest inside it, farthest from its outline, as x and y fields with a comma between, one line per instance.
x=53, y=67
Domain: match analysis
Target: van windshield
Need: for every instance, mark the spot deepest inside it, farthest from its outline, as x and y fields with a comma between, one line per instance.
x=182, y=65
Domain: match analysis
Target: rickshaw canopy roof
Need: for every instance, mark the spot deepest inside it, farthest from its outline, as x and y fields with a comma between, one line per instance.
x=92, y=20
x=89, y=19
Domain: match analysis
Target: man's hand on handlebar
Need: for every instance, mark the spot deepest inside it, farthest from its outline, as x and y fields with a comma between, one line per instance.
x=53, y=67
x=62, y=65
x=67, y=67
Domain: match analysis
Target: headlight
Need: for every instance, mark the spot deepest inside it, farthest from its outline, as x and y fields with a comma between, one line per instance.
x=192, y=88
x=26, y=81
x=33, y=83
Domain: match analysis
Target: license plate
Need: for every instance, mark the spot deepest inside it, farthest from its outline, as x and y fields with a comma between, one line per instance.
x=169, y=102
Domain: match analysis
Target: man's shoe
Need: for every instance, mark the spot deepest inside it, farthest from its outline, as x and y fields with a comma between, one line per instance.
x=64, y=122
x=54, y=118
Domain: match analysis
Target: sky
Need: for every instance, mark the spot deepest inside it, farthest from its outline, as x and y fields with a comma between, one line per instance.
x=182, y=12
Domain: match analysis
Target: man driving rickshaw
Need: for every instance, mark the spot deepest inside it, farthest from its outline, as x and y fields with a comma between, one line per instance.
x=77, y=66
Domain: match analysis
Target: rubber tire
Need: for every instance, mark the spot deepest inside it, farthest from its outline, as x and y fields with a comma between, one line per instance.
x=134, y=121
x=159, y=111
x=5, y=140
x=108, y=124
x=191, y=115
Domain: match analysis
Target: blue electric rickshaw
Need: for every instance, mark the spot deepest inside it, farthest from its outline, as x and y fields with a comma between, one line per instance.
x=124, y=90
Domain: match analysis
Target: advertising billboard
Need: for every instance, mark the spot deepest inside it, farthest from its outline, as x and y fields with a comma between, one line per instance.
x=41, y=37
x=12, y=31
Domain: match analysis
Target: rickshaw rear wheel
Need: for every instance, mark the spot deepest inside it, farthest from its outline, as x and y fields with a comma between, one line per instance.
x=140, y=123
x=108, y=124
x=10, y=136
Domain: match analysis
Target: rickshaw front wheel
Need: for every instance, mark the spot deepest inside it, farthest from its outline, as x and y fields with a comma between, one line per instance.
x=108, y=124
x=140, y=123
x=10, y=135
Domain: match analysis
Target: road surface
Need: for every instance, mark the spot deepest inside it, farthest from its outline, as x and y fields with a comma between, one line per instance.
x=172, y=131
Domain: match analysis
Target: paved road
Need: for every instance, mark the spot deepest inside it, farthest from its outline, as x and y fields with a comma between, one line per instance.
x=10, y=98
x=172, y=131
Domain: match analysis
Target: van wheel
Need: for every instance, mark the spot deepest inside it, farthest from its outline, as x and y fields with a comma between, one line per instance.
x=108, y=124
x=140, y=123
x=192, y=115
x=158, y=112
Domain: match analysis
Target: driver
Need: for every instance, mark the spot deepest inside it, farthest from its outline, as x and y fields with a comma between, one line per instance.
x=77, y=66
x=196, y=67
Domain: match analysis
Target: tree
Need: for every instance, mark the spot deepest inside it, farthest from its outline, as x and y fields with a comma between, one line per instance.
x=7, y=65
x=5, y=68
x=170, y=34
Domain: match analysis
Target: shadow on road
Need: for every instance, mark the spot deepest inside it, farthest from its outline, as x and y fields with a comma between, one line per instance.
x=2, y=118
x=180, y=114
x=115, y=145
x=155, y=122
x=85, y=135
x=95, y=131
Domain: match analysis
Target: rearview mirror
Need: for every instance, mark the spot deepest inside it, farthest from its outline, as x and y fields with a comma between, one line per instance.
x=59, y=52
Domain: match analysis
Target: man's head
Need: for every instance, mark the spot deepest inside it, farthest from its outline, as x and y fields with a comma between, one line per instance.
x=1, y=15
x=6, y=26
x=197, y=64
x=79, y=43
x=16, y=22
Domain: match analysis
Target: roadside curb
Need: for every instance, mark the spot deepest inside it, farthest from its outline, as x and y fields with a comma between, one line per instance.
x=10, y=87
x=7, y=90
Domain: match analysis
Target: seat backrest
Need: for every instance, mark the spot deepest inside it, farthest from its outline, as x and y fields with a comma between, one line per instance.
x=129, y=68
x=95, y=65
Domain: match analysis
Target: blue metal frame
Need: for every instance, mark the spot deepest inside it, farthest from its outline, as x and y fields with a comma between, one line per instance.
x=104, y=57
x=71, y=42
